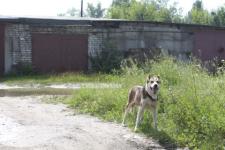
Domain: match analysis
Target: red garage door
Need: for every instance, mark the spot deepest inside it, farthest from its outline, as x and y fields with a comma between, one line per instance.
x=209, y=45
x=2, y=55
x=59, y=53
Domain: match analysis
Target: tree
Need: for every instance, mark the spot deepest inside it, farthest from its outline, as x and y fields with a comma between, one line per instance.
x=198, y=5
x=95, y=12
x=148, y=10
x=119, y=9
x=176, y=13
x=71, y=12
x=120, y=2
x=198, y=15
x=91, y=11
x=219, y=17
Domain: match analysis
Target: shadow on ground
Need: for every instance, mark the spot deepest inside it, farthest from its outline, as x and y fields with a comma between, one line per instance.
x=164, y=139
x=146, y=127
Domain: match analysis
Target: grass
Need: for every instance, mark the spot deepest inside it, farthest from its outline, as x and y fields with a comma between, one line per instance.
x=33, y=91
x=58, y=78
x=191, y=103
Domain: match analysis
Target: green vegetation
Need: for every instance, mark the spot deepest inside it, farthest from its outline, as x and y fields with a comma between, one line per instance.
x=93, y=11
x=107, y=60
x=163, y=11
x=58, y=78
x=35, y=91
x=154, y=10
x=148, y=10
x=199, y=15
x=191, y=103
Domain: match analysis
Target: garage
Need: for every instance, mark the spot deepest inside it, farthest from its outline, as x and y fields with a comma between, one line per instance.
x=59, y=52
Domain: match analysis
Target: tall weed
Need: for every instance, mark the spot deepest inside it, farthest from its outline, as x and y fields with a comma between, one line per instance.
x=191, y=103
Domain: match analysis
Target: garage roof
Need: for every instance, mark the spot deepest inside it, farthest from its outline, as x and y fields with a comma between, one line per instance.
x=91, y=21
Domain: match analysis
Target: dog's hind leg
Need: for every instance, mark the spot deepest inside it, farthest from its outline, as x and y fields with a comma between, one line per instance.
x=130, y=105
x=139, y=116
x=155, y=118
x=127, y=110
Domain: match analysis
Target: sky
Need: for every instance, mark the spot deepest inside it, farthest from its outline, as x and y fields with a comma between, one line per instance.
x=49, y=8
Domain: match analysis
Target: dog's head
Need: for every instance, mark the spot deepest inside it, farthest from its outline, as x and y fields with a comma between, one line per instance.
x=153, y=84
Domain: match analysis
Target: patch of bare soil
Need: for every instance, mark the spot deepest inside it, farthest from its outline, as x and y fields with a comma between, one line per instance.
x=28, y=124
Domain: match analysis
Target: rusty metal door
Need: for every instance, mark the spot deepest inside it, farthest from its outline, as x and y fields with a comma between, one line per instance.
x=2, y=54
x=59, y=52
x=209, y=44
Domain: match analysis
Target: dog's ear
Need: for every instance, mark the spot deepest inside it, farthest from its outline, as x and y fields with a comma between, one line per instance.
x=158, y=76
x=159, y=80
x=148, y=78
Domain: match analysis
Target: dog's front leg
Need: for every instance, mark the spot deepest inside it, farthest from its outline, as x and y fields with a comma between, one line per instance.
x=155, y=118
x=125, y=115
x=139, y=116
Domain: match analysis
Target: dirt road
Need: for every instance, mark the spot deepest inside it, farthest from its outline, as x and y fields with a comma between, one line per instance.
x=26, y=123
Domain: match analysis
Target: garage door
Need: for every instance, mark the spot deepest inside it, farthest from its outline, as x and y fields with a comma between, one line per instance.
x=209, y=45
x=59, y=53
x=2, y=49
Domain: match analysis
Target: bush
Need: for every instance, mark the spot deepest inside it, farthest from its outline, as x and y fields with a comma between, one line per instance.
x=22, y=69
x=194, y=103
x=191, y=103
x=106, y=60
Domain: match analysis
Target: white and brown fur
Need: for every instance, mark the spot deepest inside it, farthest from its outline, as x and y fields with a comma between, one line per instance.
x=144, y=97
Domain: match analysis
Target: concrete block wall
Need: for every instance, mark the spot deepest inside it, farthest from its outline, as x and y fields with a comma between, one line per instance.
x=173, y=40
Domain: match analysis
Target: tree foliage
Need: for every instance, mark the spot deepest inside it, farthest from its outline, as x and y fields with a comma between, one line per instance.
x=160, y=10
x=219, y=16
x=148, y=10
x=91, y=11
x=95, y=11
x=120, y=2
x=153, y=10
x=71, y=12
x=198, y=15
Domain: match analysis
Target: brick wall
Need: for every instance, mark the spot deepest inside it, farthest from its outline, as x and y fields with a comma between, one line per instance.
x=18, y=46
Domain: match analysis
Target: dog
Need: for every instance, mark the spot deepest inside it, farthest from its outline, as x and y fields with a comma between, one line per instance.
x=144, y=97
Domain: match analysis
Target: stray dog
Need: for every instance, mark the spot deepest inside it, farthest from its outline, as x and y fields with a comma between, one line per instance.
x=144, y=97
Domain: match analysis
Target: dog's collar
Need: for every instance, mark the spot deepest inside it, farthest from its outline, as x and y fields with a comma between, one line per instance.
x=146, y=94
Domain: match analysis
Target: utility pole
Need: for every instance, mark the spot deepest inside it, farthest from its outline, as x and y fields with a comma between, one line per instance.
x=81, y=10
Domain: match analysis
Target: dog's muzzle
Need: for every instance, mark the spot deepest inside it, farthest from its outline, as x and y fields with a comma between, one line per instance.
x=155, y=88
